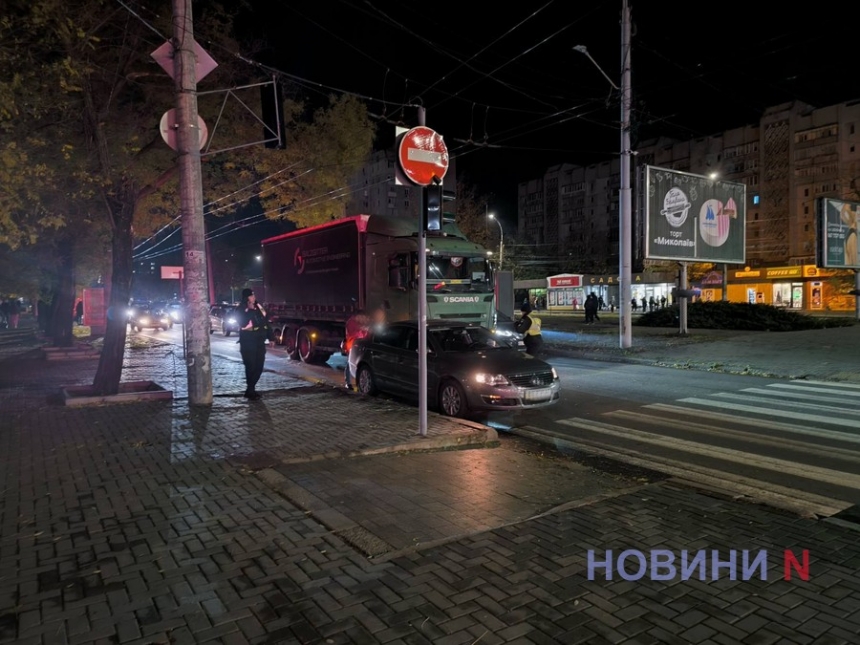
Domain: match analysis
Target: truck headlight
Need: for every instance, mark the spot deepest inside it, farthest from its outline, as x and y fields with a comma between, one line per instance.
x=491, y=379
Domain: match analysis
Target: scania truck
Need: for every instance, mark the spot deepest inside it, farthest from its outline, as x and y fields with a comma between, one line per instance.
x=316, y=278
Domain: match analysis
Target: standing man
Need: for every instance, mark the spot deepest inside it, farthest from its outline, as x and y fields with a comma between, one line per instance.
x=252, y=341
x=529, y=327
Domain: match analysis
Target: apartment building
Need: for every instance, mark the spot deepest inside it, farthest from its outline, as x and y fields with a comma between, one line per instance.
x=794, y=154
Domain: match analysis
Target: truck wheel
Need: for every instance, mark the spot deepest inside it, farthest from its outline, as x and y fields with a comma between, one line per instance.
x=364, y=381
x=452, y=399
x=305, y=346
x=288, y=340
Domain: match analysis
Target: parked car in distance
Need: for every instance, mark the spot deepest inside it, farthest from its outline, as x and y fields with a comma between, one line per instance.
x=177, y=312
x=469, y=368
x=141, y=318
x=223, y=318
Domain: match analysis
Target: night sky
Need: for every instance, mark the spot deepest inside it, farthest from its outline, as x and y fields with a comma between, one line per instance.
x=511, y=96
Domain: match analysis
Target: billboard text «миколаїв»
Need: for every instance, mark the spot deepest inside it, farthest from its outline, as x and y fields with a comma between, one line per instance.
x=694, y=218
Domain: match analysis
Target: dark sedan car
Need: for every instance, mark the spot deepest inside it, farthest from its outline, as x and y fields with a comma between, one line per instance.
x=469, y=369
x=224, y=318
x=149, y=318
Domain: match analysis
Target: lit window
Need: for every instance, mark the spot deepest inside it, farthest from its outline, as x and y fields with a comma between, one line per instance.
x=756, y=199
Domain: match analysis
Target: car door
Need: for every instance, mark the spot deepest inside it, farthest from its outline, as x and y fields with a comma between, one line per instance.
x=216, y=315
x=387, y=356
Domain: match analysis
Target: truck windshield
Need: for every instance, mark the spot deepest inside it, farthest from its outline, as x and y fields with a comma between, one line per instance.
x=459, y=275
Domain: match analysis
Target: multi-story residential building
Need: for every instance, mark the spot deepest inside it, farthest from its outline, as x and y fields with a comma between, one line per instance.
x=373, y=189
x=793, y=155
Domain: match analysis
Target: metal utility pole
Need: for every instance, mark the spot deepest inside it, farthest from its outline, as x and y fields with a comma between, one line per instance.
x=197, y=351
x=625, y=198
x=422, y=304
x=682, y=304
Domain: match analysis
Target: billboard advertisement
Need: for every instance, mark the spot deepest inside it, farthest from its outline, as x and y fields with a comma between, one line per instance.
x=837, y=233
x=693, y=218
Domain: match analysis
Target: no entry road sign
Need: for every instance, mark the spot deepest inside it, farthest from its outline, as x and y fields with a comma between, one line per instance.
x=423, y=155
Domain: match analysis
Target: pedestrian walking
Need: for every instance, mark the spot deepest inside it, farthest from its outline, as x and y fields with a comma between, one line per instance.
x=529, y=326
x=591, y=305
x=252, y=341
x=358, y=326
x=14, y=313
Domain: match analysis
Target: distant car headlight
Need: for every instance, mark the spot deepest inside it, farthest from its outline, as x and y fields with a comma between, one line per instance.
x=174, y=315
x=129, y=312
x=554, y=374
x=491, y=379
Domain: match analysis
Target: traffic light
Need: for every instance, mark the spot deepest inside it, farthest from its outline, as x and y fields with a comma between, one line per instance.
x=433, y=197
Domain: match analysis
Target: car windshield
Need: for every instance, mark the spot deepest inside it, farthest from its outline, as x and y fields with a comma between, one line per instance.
x=459, y=275
x=466, y=339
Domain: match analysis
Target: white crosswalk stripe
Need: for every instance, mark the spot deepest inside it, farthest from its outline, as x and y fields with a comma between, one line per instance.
x=798, y=432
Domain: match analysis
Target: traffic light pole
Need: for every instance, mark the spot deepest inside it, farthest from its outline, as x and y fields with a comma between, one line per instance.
x=625, y=225
x=422, y=303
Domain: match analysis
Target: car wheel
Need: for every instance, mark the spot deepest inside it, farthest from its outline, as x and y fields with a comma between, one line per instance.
x=364, y=381
x=452, y=399
x=211, y=330
x=227, y=333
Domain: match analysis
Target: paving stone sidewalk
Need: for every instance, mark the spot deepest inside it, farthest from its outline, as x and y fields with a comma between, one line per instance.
x=148, y=523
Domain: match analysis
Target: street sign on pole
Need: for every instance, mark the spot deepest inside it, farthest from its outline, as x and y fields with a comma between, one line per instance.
x=423, y=156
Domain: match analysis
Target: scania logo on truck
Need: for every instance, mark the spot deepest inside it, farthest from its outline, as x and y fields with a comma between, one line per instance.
x=299, y=262
x=461, y=299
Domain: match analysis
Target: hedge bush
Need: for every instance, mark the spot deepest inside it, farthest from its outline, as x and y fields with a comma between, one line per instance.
x=740, y=316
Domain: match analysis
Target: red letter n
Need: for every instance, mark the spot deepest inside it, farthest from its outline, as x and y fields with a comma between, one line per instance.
x=792, y=563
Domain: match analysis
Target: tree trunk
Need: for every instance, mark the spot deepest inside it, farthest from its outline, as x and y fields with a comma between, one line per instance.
x=109, y=372
x=64, y=297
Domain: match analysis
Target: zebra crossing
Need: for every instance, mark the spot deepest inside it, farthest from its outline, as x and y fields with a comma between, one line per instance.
x=796, y=442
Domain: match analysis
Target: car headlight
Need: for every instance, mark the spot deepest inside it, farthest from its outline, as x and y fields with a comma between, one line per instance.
x=174, y=315
x=504, y=332
x=554, y=374
x=144, y=320
x=491, y=379
x=129, y=312
x=231, y=321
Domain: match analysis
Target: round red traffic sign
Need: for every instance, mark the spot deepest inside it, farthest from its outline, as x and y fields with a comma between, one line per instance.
x=423, y=155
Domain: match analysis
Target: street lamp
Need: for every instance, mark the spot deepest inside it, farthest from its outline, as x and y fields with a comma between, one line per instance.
x=501, y=238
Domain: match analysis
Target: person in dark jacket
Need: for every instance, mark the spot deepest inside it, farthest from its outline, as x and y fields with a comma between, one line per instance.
x=529, y=327
x=252, y=341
